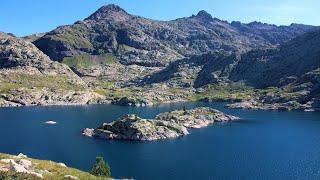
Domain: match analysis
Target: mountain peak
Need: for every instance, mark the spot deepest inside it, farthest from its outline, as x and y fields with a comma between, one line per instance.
x=110, y=7
x=204, y=15
x=109, y=11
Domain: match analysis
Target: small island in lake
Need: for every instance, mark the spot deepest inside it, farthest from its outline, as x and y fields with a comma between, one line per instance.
x=166, y=125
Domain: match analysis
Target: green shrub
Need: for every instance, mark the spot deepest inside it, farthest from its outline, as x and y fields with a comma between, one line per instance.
x=101, y=168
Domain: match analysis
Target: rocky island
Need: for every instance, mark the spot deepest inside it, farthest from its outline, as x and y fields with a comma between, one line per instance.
x=166, y=125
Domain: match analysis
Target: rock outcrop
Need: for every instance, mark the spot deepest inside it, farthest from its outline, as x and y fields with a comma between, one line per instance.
x=29, y=77
x=165, y=125
x=302, y=94
x=22, y=167
x=279, y=66
x=46, y=97
x=20, y=56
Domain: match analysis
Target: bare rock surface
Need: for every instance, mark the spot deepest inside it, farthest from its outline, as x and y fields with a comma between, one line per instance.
x=165, y=125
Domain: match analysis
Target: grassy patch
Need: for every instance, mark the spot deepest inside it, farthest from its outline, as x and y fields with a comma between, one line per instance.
x=56, y=171
x=86, y=61
x=122, y=48
x=230, y=92
x=17, y=176
x=74, y=36
x=18, y=80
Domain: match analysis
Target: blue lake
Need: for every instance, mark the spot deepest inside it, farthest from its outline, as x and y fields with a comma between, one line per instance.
x=263, y=144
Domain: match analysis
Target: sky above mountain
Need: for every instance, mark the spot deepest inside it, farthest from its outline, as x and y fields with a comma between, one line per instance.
x=28, y=17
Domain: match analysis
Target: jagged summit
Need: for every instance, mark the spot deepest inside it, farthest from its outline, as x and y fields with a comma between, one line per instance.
x=138, y=40
x=107, y=12
x=110, y=7
x=204, y=15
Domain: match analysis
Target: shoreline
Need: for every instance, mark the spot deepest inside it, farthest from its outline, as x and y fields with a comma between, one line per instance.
x=230, y=104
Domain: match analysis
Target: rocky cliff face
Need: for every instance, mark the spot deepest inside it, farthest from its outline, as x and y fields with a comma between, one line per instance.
x=18, y=55
x=29, y=77
x=197, y=71
x=137, y=40
x=258, y=68
x=279, y=66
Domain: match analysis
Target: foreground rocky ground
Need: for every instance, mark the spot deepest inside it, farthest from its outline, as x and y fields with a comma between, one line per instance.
x=165, y=125
x=23, y=168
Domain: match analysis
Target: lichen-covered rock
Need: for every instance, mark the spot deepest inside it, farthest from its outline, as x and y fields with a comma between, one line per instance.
x=165, y=126
x=195, y=118
x=132, y=127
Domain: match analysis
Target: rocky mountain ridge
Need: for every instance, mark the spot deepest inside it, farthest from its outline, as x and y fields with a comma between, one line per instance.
x=137, y=40
x=115, y=57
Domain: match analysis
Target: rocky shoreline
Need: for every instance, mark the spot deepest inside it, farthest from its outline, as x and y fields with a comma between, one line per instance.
x=45, y=97
x=86, y=98
x=166, y=125
x=288, y=106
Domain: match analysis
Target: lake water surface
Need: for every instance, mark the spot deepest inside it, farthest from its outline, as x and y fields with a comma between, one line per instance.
x=263, y=144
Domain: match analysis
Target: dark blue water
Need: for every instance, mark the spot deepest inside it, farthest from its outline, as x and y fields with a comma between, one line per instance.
x=264, y=144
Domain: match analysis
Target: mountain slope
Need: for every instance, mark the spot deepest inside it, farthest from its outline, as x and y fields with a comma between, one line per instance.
x=137, y=40
x=258, y=68
x=29, y=77
x=280, y=66
x=19, y=55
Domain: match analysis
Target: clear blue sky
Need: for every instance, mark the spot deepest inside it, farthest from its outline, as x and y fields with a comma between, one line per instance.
x=23, y=17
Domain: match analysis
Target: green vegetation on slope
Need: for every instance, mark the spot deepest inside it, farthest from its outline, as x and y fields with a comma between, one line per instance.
x=74, y=36
x=228, y=92
x=55, y=170
x=86, y=61
x=18, y=80
x=17, y=176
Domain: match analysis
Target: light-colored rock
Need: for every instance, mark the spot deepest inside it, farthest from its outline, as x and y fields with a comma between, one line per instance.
x=70, y=177
x=132, y=127
x=62, y=164
x=13, y=166
x=25, y=163
x=6, y=161
x=50, y=122
x=20, y=155
x=88, y=132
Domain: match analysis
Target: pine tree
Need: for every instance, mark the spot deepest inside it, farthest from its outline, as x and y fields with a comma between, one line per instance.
x=101, y=168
